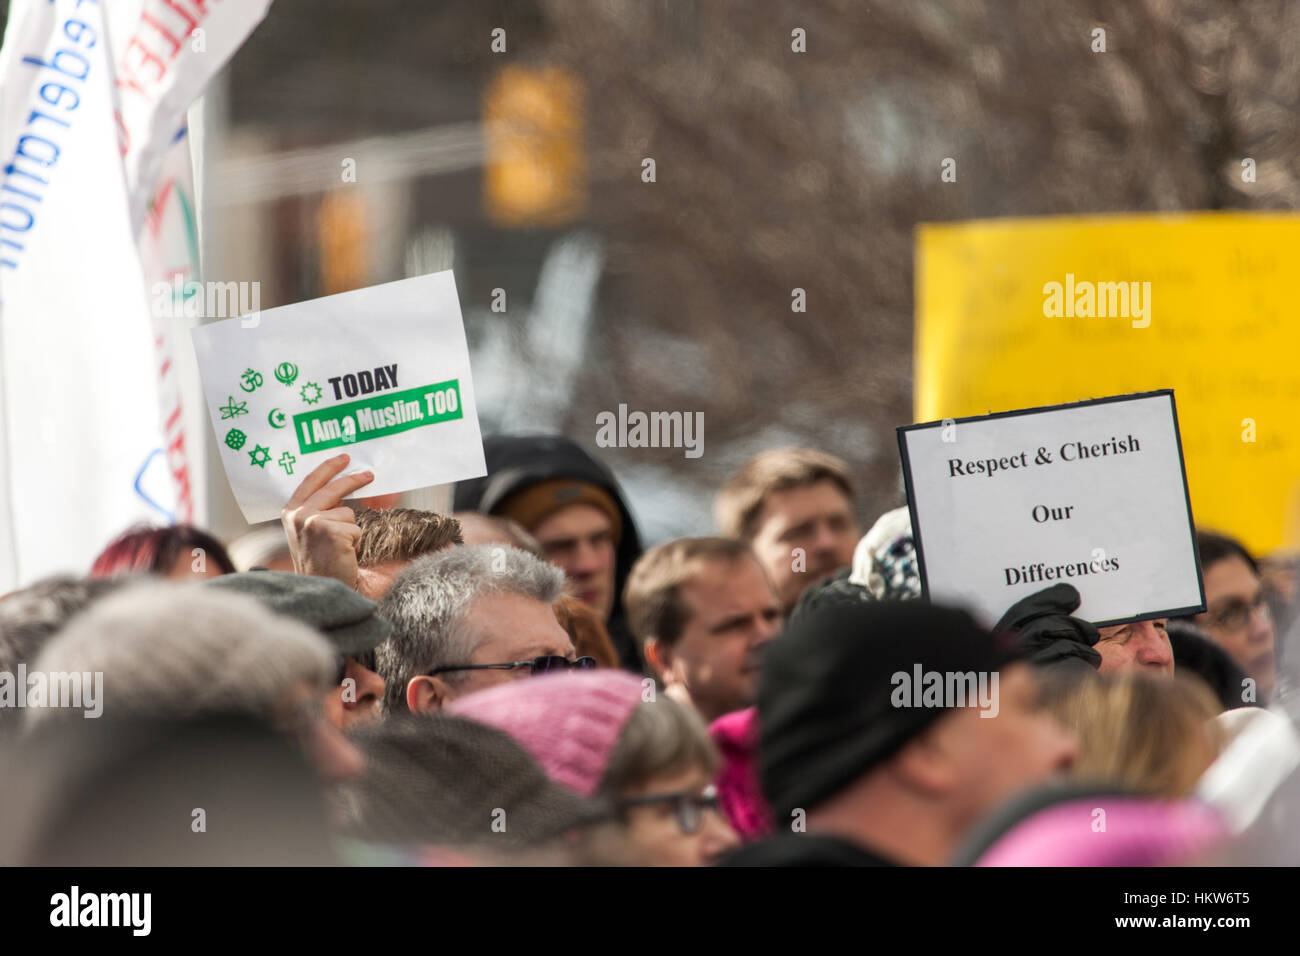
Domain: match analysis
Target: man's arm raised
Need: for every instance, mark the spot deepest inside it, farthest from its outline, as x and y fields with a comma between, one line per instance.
x=323, y=535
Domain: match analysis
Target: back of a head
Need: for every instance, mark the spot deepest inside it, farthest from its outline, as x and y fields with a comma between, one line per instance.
x=740, y=501
x=431, y=601
x=586, y=630
x=403, y=534
x=31, y=617
x=212, y=791
x=1150, y=735
x=450, y=782
x=479, y=528
x=263, y=547
x=1058, y=825
x=176, y=651
x=1195, y=652
x=826, y=699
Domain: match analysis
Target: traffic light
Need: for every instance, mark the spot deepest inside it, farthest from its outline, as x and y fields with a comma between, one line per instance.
x=535, y=171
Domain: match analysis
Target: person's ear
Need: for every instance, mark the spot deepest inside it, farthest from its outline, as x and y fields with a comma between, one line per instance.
x=926, y=762
x=659, y=656
x=426, y=694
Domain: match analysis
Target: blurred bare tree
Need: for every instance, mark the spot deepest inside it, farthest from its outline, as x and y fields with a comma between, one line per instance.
x=779, y=170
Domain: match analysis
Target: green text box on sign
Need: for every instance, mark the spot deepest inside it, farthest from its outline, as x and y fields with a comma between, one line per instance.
x=378, y=416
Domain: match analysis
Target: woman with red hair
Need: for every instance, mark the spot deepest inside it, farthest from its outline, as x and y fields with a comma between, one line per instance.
x=178, y=552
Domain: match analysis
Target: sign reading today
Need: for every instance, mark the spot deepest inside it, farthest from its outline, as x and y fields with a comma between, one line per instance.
x=381, y=373
x=1093, y=494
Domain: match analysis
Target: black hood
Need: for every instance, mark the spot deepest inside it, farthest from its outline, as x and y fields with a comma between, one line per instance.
x=514, y=462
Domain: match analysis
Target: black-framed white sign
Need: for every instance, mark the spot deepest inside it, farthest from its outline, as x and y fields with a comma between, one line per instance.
x=1092, y=493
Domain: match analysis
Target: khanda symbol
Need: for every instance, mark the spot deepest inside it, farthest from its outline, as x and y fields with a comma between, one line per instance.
x=286, y=372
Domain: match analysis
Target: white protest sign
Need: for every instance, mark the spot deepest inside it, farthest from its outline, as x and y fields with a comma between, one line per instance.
x=1092, y=494
x=380, y=373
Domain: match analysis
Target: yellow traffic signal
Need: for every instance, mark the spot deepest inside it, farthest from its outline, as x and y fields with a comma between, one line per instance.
x=535, y=172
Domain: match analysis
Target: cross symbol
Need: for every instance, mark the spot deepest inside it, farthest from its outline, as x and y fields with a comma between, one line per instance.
x=286, y=462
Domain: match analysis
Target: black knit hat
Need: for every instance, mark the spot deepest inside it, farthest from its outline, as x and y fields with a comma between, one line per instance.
x=825, y=707
x=341, y=615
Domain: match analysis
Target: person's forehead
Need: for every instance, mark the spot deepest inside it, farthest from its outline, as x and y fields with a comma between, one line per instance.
x=573, y=521
x=1229, y=575
x=687, y=779
x=724, y=586
x=518, y=624
x=1134, y=626
x=792, y=505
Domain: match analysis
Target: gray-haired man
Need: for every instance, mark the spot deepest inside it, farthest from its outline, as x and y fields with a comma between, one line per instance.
x=467, y=618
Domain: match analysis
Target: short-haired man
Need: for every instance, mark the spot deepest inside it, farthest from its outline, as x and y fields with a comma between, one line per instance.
x=704, y=610
x=365, y=550
x=889, y=729
x=468, y=618
x=795, y=508
x=1141, y=645
x=573, y=507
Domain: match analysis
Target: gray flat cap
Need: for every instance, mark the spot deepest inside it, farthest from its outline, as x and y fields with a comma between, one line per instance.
x=342, y=616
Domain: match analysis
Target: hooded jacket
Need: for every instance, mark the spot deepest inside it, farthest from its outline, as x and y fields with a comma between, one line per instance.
x=514, y=462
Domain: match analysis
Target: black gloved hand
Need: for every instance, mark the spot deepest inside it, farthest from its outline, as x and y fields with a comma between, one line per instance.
x=1046, y=631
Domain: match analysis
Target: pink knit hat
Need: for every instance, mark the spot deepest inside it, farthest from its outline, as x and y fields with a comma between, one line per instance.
x=1138, y=831
x=568, y=722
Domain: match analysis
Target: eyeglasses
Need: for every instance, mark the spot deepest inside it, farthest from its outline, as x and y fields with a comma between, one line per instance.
x=1234, y=615
x=688, y=805
x=539, y=665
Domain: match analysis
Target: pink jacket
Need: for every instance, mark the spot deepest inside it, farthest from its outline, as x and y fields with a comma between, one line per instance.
x=740, y=794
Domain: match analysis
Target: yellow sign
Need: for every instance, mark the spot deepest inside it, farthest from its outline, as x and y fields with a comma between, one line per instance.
x=1022, y=312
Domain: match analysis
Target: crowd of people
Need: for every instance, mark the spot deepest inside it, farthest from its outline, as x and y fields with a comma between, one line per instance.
x=519, y=682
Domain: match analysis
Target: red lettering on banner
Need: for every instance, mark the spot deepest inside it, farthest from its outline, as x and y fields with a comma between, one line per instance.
x=190, y=22
x=173, y=418
x=123, y=137
x=178, y=463
x=128, y=78
x=176, y=44
x=131, y=75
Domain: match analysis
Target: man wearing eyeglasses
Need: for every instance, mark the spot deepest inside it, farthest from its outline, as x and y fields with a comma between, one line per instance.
x=468, y=618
